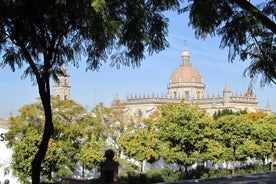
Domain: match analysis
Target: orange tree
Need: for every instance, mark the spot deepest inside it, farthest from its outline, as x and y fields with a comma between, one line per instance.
x=74, y=132
x=185, y=129
x=142, y=142
x=264, y=134
x=115, y=122
x=233, y=132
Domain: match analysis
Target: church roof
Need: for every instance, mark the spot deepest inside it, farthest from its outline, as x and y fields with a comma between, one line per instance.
x=185, y=73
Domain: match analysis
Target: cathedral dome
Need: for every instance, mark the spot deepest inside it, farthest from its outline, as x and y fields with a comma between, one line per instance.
x=185, y=74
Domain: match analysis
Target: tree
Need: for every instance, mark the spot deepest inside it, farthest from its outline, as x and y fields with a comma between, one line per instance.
x=40, y=36
x=233, y=133
x=115, y=122
x=143, y=143
x=223, y=112
x=248, y=30
x=185, y=129
x=264, y=133
x=79, y=134
x=255, y=116
x=73, y=133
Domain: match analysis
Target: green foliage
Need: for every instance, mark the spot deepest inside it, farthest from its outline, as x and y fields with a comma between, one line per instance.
x=74, y=140
x=247, y=30
x=52, y=33
x=128, y=168
x=153, y=176
x=179, y=133
x=164, y=175
x=142, y=143
x=221, y=113
x=255, y=116
x=264, y=134
x=213, y=173
x=185, y=129
x=233, y=133
x=253, y=168
x=233, y=130
x=114, y=121
x=23, y=154
x=89, y=153
x=167, y=175
x=92, y=28
x=216, y=151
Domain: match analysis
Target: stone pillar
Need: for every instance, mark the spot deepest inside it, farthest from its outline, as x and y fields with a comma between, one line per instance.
x=226, y=95
x=109, y=169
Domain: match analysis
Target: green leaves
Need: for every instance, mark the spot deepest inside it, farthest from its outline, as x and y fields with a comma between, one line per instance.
x=76, y=139
x=142, y=144
x=184, y=128
x=99, y=5
x=245, y=28
x=179, y=133
x=60, y=31
x=234, y=132
x=264, y=134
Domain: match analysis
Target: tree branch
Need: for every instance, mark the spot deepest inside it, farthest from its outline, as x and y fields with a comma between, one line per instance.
x=246, y=5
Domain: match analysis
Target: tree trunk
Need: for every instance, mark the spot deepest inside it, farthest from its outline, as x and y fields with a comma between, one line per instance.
x=233, y=161
x=83, y=168
x=186, y=171
x=186, y=166
x=272, y=157
x=49, y=177
x=263, y=165
x=44, y=92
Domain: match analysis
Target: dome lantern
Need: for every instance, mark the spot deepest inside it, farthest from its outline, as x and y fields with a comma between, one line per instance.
x=185, y=57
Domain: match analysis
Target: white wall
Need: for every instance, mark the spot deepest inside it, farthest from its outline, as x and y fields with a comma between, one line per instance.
x=5, y=159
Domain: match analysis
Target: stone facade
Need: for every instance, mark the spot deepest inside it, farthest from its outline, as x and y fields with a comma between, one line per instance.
x=186, y=84
x=62, y=85
x=4, y=123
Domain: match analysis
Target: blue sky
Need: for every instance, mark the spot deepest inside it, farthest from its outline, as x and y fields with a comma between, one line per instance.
x=90, y=88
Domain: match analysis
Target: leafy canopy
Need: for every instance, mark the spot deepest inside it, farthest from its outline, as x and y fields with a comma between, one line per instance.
x=142, y=142
x=42, y=35
x=57, y=32
x=76, y=139
x=248, y=30
x=233, y=133
x=185, y=129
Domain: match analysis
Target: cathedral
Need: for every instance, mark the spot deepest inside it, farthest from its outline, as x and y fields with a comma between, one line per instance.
x=185, y=85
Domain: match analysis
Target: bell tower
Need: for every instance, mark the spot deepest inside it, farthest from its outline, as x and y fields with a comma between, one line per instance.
x=62, y=85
